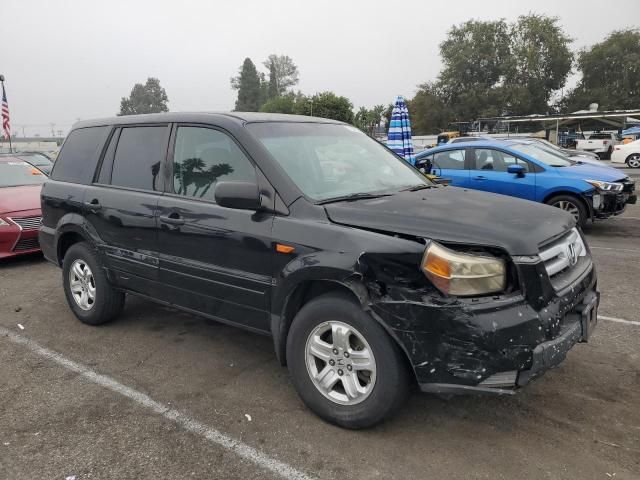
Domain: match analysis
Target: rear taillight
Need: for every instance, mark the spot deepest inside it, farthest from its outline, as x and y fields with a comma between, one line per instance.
x=605, y=142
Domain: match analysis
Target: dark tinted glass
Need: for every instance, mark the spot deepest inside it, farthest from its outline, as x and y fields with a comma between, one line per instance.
x=203, y=157
x=79, y=155
x=138, y=158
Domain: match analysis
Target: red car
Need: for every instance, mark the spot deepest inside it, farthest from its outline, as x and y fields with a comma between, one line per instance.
x=20, y=213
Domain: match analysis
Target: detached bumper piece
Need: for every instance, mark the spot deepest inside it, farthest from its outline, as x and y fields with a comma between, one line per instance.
x=614, y=203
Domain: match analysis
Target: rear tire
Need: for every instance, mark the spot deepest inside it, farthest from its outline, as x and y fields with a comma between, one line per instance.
x=572, y=205
x=633, y=161
x=89, y=294
x=367, y=380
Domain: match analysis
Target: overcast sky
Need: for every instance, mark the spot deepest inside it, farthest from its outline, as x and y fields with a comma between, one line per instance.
x=65, y=60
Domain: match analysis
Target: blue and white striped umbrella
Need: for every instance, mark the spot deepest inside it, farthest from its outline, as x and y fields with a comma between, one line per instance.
x=399, y=136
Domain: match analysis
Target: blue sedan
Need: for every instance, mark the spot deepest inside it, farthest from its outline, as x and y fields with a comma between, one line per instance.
x=520, y=168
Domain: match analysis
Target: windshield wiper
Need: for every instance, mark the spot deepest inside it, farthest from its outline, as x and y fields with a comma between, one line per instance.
x=415, y=188
x=353, y=196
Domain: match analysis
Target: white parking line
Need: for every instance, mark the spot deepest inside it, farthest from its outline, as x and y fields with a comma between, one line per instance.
x=236, y=446
x=618, y=320
x=615, y=249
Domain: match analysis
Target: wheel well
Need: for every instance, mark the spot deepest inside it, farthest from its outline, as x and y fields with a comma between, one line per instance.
x=631, y=155
x=304, y=293
x=65, y=242
x=570, y=194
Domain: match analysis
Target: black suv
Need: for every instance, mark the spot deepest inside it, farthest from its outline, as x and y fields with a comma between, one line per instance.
x=368, y=277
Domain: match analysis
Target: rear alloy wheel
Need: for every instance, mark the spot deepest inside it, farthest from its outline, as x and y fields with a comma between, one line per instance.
x=89, y=294
x=570, y=205
x=343, y=364
x=633, y=160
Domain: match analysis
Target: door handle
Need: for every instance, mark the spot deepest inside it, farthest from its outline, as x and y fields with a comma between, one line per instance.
x=479, y=177
x=93, y=205
x=173, y=219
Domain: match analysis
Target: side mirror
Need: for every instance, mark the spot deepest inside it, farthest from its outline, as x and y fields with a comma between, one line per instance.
x=240, y=195
x=518, y=170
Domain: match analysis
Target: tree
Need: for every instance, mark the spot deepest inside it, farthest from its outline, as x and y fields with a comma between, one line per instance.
x=280, y=104
x=428, y=112
x=250, y=90
x=326, y=105
x=147, y=98
x=283, y=74
x=610, y=74
x=475, y=56
x=539, y=63
x=492, y=68
x=367, y=120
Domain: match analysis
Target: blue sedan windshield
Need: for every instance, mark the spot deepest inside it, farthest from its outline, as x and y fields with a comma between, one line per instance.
x=542, y=155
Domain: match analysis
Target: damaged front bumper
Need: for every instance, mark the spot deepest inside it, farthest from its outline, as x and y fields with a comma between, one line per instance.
x=491, y=345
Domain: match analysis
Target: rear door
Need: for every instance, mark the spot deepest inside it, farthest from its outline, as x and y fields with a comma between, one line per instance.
x=213, y=260
x=489, y=173
x=451, y=164
x=121, y=204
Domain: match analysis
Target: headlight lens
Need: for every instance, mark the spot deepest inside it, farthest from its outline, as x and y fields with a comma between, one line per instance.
x=3, y=223
x=606, y=186
x=463, y=274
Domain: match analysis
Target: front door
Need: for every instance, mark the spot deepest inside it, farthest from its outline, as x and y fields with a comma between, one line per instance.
x=489, y=173
x=213, y=260
x=450, y=164
x=120, y=206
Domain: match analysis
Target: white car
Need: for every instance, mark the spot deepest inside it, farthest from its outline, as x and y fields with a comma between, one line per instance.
x=629, y=154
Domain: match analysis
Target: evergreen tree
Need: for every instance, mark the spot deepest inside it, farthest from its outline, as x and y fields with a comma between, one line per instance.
x=248, y=84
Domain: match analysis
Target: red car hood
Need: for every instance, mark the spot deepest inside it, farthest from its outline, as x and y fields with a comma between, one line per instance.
x=15, y=199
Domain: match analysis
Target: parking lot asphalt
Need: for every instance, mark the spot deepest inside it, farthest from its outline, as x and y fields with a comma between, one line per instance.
x=164, y=394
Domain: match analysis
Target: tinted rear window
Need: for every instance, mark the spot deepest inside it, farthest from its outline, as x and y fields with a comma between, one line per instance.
x=604, y=136
x=138, y=158
x=77, y=160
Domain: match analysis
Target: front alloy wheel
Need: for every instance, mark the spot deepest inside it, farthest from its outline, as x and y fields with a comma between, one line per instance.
x=634, y=160
x=568, y=206
x=340, y=363
x=343, y=364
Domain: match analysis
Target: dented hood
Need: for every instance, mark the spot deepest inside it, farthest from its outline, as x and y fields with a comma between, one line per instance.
x=457, y=215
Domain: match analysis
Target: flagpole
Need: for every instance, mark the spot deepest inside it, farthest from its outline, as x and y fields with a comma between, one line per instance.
x=2, y=82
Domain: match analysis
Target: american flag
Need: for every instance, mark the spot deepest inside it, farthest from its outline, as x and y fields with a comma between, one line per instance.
x=6, y=125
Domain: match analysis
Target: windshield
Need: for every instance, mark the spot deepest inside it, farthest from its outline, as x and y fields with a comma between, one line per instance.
x=543, y=155
x=548, y=144
x=37, y=159
x=17, y=173
x=327, y=160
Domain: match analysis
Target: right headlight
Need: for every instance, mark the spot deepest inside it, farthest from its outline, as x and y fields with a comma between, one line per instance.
x=463, y=274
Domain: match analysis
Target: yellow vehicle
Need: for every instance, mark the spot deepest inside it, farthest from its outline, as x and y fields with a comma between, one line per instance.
x=444, y=137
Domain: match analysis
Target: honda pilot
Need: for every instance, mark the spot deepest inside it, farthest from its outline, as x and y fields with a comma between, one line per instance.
x=368, y=277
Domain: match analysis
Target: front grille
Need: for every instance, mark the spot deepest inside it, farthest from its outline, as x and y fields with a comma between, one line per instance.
x=565, y=259
x=26, y=244
x=27, y=223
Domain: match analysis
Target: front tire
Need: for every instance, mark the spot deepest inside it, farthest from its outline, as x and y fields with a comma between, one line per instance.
x=343, y=364
x=633, y=161
x=89, y=294
x=572, y=205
